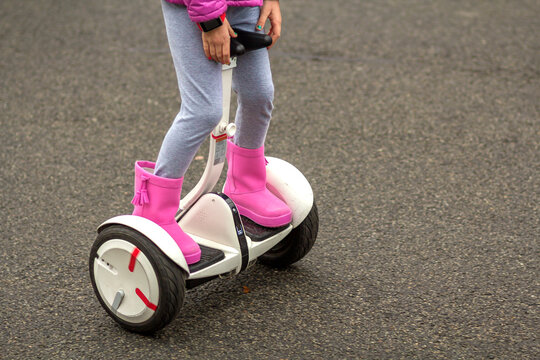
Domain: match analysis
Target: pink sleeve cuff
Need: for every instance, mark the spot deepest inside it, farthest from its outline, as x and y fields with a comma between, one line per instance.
x=203, y=11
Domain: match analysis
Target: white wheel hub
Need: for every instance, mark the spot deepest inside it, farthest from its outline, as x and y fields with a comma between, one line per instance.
x=126, y=281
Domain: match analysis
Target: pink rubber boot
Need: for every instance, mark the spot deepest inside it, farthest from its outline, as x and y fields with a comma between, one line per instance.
x=157, y=199
x=246, y=186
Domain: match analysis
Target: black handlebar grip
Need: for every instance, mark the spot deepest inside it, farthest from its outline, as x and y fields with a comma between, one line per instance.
x=248, y=41
x=237, y=48
x=253, y=40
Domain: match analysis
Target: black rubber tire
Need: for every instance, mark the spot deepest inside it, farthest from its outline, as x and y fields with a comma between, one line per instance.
x=171, y=279
x=295, y=245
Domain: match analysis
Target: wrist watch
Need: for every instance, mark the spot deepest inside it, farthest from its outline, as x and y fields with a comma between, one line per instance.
x=211, y=24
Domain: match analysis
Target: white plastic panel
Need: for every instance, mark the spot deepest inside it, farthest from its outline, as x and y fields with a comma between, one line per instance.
x=211, y=223
x=228, y=264
x=257, y=248
x=290, y=185
x=155, y=233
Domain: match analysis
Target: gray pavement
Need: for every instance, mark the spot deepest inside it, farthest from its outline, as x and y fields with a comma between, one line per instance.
x=417, y=123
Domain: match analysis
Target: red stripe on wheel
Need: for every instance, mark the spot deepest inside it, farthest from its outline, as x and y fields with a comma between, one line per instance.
x=145, y=299
x=133, y=259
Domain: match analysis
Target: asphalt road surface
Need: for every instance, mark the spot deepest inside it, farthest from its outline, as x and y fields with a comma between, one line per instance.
x=417, y=123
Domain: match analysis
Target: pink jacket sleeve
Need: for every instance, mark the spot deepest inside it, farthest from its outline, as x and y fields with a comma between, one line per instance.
x=204, y=10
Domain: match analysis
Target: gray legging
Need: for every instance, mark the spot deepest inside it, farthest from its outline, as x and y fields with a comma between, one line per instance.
x=199, y=81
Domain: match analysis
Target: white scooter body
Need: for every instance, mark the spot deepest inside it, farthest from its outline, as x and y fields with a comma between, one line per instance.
x=214, y=223
x=212, y=219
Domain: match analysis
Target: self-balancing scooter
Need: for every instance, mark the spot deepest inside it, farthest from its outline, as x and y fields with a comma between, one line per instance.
x=139, y=273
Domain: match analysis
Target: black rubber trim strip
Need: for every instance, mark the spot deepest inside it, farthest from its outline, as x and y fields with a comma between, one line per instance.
x=240, y=233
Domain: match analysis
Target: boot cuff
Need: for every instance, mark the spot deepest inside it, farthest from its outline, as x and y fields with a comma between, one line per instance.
x=251, y=153
x=141, y=168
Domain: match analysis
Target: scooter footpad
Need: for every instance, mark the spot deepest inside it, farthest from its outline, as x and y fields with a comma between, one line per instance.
x=209, y=256
x=258, y=232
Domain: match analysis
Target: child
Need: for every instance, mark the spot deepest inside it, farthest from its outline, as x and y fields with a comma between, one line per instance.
x=199, y=34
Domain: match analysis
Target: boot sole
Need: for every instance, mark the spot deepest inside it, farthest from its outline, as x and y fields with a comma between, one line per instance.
x=271, y=222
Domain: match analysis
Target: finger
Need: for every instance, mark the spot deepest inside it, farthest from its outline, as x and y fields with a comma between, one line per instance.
x=227, y=53
x=275, y=27
x=213, y=53
x=219, y=53
x=274, y=39
x=207, y=50
x=262, y=19
x=231, y=31
x=274, y=34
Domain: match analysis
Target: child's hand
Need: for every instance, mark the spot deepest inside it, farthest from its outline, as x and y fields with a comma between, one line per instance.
x=217, y=43
x=270, y=10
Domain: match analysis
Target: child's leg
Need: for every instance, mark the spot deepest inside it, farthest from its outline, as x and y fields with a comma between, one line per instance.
x=252, y=80
x=199, y=81
x=246, y=174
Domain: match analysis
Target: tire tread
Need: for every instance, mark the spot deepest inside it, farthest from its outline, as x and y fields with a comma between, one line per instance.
x=295, y=245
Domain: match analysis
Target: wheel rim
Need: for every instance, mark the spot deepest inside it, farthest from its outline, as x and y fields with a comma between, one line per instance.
x=126, y=281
